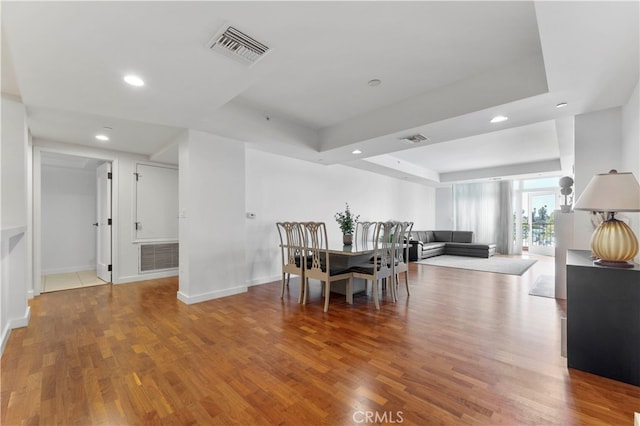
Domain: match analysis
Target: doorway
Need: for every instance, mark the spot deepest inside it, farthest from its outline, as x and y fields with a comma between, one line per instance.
x=540, y=235
x=70, y=240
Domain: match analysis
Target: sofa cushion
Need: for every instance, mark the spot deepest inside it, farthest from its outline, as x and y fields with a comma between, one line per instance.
x=435, y=249
x=433, y=246
x=462, y=236
x=442, y=235
x=470, y=249
x=420, y=235
x=477, y=246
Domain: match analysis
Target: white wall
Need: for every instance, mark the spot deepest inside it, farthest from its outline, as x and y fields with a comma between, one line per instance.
x=444, y=208
x=211, y=225
x=14, y=310
x=14, y=163
x=68, y=211
x=280, y=189
x=598, y=149
x=631, y=148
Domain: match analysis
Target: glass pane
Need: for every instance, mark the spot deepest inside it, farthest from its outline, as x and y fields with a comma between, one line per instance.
x=541, y=219
x=542, y=183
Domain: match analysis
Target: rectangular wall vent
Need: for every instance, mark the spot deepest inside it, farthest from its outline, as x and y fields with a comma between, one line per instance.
x=417, y=138
x=158, y=257
x=237, y=45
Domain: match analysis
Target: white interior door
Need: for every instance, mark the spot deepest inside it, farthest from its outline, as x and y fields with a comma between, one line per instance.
x=103, y=249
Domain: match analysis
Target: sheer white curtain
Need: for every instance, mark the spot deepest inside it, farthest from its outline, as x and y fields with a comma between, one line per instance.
x=486, y=209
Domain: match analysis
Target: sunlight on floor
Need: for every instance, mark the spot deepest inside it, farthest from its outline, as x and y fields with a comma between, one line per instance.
x=70, y=280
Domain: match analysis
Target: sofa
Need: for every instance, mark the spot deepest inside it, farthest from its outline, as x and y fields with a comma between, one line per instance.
x=424, y=244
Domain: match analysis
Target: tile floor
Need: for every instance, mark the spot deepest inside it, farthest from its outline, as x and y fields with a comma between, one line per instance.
x=70, y=280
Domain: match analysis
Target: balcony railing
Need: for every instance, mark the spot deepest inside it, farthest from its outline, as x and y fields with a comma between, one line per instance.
x=542, y=234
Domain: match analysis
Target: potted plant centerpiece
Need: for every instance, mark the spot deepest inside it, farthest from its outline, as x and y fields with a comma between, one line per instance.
x=347, y=223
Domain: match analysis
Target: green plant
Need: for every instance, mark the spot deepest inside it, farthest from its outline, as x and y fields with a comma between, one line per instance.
x=346, y=220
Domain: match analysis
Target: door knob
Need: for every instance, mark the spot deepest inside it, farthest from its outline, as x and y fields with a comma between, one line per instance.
x=95, y=224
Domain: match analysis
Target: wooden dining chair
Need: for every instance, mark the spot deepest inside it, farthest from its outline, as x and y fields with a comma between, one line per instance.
x=318, y=265
x=364, y=232
x=380, y=267
x=292, y=249
x=401, y=250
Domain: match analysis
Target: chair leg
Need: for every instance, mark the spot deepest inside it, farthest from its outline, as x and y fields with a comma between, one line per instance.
x=283, y=284
x=375, y=293
x=303, y=290
x=406, y=281
x=327, y=293
x=394, y=287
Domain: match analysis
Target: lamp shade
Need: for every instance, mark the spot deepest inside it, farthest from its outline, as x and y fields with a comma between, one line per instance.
x=610, y=192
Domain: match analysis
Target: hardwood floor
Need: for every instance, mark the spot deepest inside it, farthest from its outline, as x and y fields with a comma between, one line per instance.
x=465, y=348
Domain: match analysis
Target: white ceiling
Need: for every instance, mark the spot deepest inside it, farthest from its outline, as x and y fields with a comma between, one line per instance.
x=446, y=69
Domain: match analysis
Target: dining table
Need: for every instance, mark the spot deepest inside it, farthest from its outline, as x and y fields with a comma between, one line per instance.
x=346, y=256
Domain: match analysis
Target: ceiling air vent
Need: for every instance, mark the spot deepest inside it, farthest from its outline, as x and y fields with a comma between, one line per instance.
x=237, y=45
x=417, y=138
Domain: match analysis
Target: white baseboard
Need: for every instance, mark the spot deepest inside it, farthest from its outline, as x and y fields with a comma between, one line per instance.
x=69, y=269
x=144, y=277
x=189, y=300
x=5, y=337
x=14, y=323
x=260, y=281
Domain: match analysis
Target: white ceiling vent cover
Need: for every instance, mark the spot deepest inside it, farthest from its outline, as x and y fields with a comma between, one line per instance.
x=417, y=138
x=237, y=45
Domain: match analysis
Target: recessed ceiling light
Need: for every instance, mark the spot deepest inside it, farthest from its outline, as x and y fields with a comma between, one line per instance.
x=499, y=119
x=133, y=80
x=561, y=105
x=356, y=151
x=102, y=138
x=375, y=82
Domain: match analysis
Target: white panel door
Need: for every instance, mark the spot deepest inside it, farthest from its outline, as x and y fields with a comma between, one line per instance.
x=156, y=203
x=103, y=240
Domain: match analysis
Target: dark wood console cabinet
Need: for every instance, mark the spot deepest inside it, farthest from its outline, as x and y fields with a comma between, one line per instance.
x=603, y=318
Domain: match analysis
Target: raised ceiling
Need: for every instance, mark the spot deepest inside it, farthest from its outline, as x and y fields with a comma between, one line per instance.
x=446, y=68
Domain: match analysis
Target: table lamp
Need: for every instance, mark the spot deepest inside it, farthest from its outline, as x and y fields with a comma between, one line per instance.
x=613, y=242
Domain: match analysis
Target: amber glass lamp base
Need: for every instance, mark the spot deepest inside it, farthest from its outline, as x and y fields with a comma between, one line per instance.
x=614, y=244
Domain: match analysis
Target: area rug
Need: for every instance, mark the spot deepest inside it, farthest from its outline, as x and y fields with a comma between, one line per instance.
x=496, y=264
x=545, y=286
